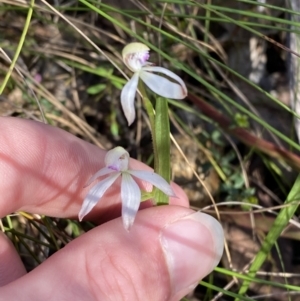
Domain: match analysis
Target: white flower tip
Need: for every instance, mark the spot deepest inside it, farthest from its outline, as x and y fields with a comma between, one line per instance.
x=167, y=190
x=170, y=192
x=127, y=226
x=184, y=91
x=174, y=195
x=128, y=221
x=181, y=91
x=130, y=117
x=81, y=214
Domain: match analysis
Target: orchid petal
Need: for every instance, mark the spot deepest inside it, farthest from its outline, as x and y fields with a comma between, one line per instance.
x=102, y=172
x=95, y=194
x=161, y=85
x=117, y=159
x=155, y=179
x=131, y=197
x=127, y=98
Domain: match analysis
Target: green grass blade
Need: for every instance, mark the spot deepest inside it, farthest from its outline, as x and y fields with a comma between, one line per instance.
x=256, y=280
x=280, y=223
x=201, y=80
x=225, y=292
x=19, y=48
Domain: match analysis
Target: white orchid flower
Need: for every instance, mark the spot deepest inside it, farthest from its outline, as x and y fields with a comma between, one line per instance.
x=135, y=57
x=116, y=164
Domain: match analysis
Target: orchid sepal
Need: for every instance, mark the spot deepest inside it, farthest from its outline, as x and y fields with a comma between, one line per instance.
x=135, y=57
x=127, y=98
x=117, y=160
x=95, y=193
x=162, y=86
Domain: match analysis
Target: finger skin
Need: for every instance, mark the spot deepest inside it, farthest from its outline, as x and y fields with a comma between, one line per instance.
x=109, y=263
x=11, y=266
x=44, y=170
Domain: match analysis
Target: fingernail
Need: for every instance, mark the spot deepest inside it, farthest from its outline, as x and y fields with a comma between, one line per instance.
x=193, y=246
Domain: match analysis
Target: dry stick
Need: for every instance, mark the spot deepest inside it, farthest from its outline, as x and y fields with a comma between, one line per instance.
x=206, y=189
x=202, y=148
x=86, y=129
x=244, y=99
x=265, y=189
x=244, y=270
x=221, y=52
x=88, y=39
x=26, y=84
x=159, y=34
x=260, y=209
x=246, y=180
x=71, y=19
x=231, y=283
x=172, y=27
x=85, y=37
x=214, y=205
x=244, y=135
x=196, y=174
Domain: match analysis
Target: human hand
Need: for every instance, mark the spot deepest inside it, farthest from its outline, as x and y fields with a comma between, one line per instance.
x=166, y=252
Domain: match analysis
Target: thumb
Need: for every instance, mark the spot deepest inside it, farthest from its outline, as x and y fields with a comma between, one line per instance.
x=167, y=251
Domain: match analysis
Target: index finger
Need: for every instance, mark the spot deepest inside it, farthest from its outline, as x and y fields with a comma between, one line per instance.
x=44, y=169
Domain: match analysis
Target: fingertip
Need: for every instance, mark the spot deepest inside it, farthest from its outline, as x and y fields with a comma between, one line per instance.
x=193, y=246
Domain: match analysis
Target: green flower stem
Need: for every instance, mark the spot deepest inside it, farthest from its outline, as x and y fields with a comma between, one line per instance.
x=162, y=136
x=151, y=114
x=160, y=131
